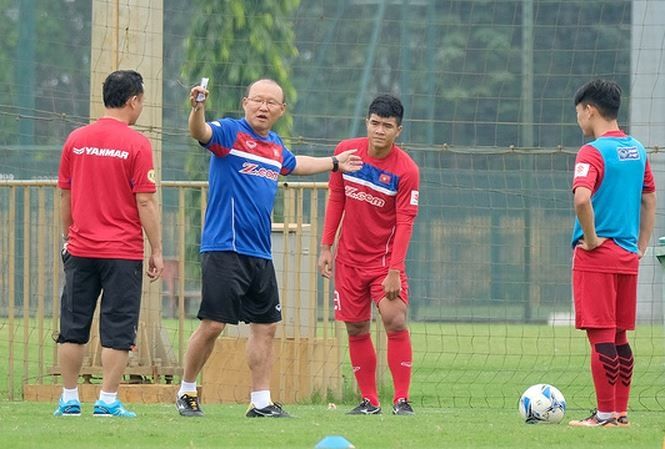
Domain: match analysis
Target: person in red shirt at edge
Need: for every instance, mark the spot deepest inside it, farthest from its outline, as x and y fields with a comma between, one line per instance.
x=615, y=203
x=107, y=184
x=376, y=207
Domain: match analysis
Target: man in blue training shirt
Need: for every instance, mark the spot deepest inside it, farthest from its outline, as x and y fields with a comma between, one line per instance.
x=238, y=277
x=615, y=203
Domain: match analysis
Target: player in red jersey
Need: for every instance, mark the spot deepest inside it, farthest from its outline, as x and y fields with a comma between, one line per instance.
x=615, y=203
x=376, y=207
x=107, y=181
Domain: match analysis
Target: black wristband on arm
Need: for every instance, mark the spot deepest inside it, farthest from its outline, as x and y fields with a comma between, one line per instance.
x=335, y=162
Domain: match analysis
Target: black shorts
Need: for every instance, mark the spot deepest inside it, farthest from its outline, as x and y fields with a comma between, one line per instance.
x=85, y=278
x=238, y=288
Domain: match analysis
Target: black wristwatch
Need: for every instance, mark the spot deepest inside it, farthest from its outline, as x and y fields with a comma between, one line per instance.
x=335, y=163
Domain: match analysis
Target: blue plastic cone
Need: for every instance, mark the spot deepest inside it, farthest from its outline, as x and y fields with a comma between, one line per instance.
x=334, y=442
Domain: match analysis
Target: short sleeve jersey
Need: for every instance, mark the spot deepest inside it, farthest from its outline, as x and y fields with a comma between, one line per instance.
x=104, y=165
x=616, y=170
x=243, y=176
x=376, y=199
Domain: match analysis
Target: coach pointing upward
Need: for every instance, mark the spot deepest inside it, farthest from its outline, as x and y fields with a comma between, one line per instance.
x=238, y=277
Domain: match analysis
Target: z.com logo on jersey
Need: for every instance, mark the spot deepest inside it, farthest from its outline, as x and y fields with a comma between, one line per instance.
x=352, y=192
x=249, y=168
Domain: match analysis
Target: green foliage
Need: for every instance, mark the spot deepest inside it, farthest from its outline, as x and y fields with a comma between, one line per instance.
x=61, y=40
x=236, y=42
x=457, y=65
x=7, y=59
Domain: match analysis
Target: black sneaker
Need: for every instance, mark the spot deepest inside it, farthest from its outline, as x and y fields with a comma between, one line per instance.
x=365, y=408
x=594, y=421
x=622, y=421
x=188, y=405
x=272, y=411
x=403, y=407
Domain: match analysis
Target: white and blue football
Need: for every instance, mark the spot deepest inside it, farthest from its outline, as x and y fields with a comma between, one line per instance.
x=542, y=403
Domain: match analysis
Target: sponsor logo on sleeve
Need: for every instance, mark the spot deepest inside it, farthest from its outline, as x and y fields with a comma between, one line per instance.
x=414, y=198
x=151, y=176
x=581, y=169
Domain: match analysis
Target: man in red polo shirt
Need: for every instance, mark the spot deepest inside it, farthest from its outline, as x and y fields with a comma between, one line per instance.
x=107, y=181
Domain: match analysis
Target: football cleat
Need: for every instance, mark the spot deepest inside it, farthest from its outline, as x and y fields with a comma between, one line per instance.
x=69, y=408
x=271, y=411
x=403, y=408
x=594, y=421
x=188, y=405
x=365, y=408
x=622, y=421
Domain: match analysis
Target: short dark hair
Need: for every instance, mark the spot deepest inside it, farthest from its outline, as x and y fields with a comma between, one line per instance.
x=387, y=106
x=605, y=95
x=120, y=86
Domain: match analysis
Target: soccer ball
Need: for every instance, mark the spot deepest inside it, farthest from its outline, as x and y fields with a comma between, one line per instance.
x=542, y=403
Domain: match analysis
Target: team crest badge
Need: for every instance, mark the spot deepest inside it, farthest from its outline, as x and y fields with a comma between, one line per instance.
x=384, y=178
x=414, y=198
x=581, y=169
x=251, y=144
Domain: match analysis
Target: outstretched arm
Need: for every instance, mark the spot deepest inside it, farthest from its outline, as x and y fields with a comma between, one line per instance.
x=307, y=165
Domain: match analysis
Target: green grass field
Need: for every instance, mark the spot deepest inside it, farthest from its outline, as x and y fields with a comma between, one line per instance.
x=466, y=383
x=30, y=425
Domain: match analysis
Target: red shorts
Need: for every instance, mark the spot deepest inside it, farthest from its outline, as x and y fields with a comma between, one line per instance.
x=356, y=289
x=604, y=300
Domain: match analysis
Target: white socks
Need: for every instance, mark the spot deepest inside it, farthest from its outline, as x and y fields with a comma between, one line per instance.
x=187, y=387
x=260, y=399
x=604, y=415
x=70, y=395
x=108, y=398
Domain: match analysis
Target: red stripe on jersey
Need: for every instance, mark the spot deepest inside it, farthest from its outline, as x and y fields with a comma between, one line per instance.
x=249, y=144
x=218, y=150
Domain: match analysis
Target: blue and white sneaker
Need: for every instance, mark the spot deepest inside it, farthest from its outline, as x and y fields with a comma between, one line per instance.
x=69, y=408
x=114, y=409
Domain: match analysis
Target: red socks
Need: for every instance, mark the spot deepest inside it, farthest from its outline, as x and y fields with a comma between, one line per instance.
x=400, y=361
x=363, y=362
x=622, y=387
x=604, y=366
